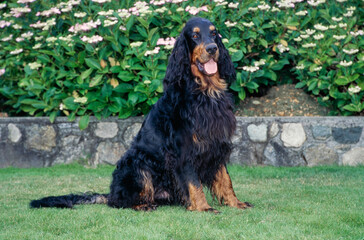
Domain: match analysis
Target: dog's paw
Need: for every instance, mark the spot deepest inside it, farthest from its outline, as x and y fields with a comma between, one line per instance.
x=145, y=207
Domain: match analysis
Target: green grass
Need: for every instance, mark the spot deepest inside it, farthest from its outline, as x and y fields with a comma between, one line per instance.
x=290, y=203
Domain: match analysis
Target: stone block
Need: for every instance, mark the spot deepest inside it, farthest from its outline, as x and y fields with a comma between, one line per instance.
x=347, y=135
x=14, y=133
x=109, y=153
x=131, y=132
x=73, y=148
x=320, y=154
x=293, y=135
x=106, y=130
x=277, y=155
x=274, y=130
x=40, y=138
x=354, y=157
x=257, y=133
x=321, y=132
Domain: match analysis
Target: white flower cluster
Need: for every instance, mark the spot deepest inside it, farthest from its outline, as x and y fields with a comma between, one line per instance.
x=25, y=1
x=16, y=51
x=27, y=35
x=339, y=37
x=34, y=65
x=249, y=24
x=282, y=48
x=230, y=24
x=140, y=9
x=152, y=52
x=110, y=22
x=263, y=6
x=44, y=25
x=136, y=44
x=8, y=38
x=320, y=27
x=315, y=3
x=2, y=5
x=18, y=12
x=301, y=13
x=350, y=51
x=318, y=36
x=2, y=71
x=37, y=46
x=250, y=68
x=233, y=5
x=87, y=26
x=353, y=90
x=260, y=62
x=300, y=67
x=344, y=63
x=108, y=13
x=49, y=12
x=92, y=39
x=4, y=24
x=309, y=45
x=168, y=43
x=101, y=1
x=358, y=33
x=80, y=14
x=161, y=10
x=80, y=100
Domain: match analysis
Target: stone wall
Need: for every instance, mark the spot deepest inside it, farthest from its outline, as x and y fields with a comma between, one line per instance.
x=276, y=141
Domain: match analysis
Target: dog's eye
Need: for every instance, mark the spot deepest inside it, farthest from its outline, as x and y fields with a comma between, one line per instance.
x=195, y=36
x=213, y=33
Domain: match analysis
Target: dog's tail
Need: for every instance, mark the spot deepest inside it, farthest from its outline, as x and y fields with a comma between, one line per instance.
x=68, y=201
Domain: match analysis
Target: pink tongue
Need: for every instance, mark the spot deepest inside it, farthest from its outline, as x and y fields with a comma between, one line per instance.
x=210, y=67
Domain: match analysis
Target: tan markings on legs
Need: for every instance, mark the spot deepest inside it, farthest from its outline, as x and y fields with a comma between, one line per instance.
x=146, y=202
x=222, y=189
x=198, y=200
x=147, y=194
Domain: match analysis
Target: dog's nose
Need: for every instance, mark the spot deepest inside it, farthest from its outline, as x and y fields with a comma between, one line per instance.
x=211, y=48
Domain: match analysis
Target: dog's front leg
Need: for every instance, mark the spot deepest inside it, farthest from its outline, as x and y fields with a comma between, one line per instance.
x=191, y=189
x=222, y=189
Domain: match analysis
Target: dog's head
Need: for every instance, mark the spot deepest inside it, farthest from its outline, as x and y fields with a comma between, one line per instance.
x=199, y=54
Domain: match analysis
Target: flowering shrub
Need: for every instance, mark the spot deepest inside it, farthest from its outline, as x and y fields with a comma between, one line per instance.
x=104, y=57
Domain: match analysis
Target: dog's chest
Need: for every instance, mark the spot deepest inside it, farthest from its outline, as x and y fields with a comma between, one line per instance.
x=213, y=120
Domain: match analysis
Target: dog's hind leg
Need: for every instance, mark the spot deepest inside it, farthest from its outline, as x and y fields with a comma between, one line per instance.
x=222, y=189
x=147, y=201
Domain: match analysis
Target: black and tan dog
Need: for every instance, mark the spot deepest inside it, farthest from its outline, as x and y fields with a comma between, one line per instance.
x=184, y=143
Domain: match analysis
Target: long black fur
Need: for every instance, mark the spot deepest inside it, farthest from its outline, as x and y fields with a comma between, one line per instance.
x=164, y=150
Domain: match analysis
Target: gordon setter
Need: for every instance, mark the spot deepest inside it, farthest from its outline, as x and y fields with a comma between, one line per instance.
x=184, y=142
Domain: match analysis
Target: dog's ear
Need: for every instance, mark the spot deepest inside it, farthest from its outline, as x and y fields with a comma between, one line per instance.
x=179, y=66
x=225, y=65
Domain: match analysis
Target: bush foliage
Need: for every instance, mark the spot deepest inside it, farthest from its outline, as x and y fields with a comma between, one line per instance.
x=108, y=58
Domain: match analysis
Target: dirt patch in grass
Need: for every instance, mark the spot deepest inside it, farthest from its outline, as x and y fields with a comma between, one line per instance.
x=284, y=100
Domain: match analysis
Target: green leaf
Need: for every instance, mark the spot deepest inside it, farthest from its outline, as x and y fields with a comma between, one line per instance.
x=84, y=121
x=352, y=108
x=70, y=104
x=280, y=64
x=52, y=116
x=263, y=42
x=130, y=23
x=93, y=63
x=242, y=94
x=142, y=32
x=237, y=56
x=96, y=80
x=86, y=74
x=300, y=85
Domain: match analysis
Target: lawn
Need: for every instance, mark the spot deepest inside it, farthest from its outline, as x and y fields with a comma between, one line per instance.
x=290, y=203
